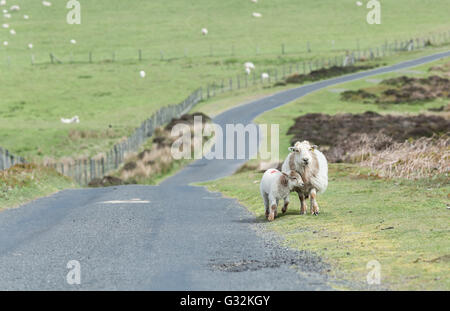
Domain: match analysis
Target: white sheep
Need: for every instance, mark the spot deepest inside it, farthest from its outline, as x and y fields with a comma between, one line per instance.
x=204, y=31
x=2, y=2
x=142, y=74
x=275, y=186
x=249, y=65
x=14, y=8
x=264, y=76
x=73, y=41
x=26, y=17
x=257, y=15
x=312, y=166
x=75, y=119
x=46, y=3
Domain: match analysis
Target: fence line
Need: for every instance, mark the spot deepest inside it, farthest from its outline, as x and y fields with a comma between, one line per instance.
x=139, y=54
x=85, y=170
x=7, y=159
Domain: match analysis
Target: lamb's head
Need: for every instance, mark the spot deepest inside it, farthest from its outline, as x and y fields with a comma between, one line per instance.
x=294, y=180
x=303, y=151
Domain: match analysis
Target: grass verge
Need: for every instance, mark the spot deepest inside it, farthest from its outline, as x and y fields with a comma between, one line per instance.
x=25, y=182
x=401, y=224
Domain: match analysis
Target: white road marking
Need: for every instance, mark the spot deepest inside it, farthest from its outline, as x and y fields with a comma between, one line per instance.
x=132, y=201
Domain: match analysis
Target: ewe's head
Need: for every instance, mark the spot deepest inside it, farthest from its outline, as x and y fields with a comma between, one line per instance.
x=294, y=179
x=303, y=151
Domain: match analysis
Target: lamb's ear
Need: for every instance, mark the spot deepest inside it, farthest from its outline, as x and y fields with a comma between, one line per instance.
x=285, y=174
x=291, y=149
x=314, y=147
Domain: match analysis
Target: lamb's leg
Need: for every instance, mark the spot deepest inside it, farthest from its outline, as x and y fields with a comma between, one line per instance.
x=303, y=206
x=314, y=206
x=286, y=203
x=273, y=208
x=266, y=203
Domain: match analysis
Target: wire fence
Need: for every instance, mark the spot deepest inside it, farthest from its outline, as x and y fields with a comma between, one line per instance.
x=306, y=49
x=87, y=169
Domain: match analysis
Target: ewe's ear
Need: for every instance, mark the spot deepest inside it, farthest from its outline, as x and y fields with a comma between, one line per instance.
x=291, y=149
x=314, y=147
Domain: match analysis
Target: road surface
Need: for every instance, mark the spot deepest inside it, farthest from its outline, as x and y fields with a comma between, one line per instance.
x=168, y=237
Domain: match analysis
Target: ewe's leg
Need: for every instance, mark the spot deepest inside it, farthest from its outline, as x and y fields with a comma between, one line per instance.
x=266, y=203
x=302, y=203
x=286, y=203
x=314, y=206
x=273, y=208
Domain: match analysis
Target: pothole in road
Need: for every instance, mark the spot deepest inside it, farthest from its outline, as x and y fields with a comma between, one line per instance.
x=303, y=260
x=243, y=265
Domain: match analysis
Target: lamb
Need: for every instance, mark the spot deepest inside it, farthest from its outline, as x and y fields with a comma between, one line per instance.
x=276, y=185
x=312, y=166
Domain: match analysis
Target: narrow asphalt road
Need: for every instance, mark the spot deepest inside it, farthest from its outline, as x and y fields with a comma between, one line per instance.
x=168, y=237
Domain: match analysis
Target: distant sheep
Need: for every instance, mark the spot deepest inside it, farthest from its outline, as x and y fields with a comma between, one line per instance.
x=264, y=76
x=275, y=186
x=14, y=8
x=312, y=165
x=257, y=15
x=249, y=65
x=204, y=31
x=75, y=119
x=46, y=3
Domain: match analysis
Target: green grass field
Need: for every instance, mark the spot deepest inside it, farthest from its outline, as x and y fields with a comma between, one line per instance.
x=110, y=97
x=402, y=224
